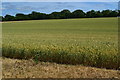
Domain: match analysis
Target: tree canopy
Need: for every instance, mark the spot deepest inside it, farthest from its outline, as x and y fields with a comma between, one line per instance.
x=64, y=14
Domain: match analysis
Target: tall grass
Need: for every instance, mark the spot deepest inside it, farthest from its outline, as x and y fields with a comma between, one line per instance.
x=106, y=57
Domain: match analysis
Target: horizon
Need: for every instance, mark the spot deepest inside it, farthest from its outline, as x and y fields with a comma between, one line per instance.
x=13, y=8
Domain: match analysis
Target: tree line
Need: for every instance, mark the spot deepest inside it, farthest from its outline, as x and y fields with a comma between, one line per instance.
x=64, y=14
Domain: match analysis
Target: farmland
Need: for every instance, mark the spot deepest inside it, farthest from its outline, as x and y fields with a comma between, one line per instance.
x=87, y=41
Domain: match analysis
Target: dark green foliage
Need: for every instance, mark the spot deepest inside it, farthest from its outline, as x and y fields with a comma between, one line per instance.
x=21, y=16
x=64, y=14
x=91, y=14
x=78, y=14
x=37, y=16
x=55, y=15
x=113, y=14
x=118, y=12
x=9, y=18
x=110, y=13
x=1, y=18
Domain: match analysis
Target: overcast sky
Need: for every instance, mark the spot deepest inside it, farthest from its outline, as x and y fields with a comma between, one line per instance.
x=47, y=7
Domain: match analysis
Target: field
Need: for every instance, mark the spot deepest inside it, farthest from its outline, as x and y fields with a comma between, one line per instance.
x=15, y=68
x=88, y=41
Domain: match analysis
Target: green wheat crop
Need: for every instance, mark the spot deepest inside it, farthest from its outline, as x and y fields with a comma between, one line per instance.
x=89, y=41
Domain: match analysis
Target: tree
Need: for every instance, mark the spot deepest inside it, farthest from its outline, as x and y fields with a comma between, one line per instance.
x=98, y=14
x=54, y=15
x=36, y=15
x=91, y=14
x=1, y=18
x=21, y=16
x=113, y=14
x=106, y=13
x=9, y=18
x=65, y=14
x=118, y=13
x=78, y=14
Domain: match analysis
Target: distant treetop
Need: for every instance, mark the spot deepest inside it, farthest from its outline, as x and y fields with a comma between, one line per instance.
x=64, y=14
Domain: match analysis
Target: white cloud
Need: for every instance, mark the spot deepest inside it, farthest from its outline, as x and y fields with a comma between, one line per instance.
x=60, y=0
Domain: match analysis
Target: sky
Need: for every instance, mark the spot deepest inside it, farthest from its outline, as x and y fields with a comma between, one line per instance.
x=48, y=7
x=60, y=0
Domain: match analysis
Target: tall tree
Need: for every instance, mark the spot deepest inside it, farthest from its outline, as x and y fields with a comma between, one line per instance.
x=65, y=14
x=36, y=15
x=91, y=14
x=98, y=14
x=9, y=18
x=20, y=16
x=106, y=13
x=55, y=15
x=78, y=14
x=113, y=13
x=118, y=13
x=1, y=18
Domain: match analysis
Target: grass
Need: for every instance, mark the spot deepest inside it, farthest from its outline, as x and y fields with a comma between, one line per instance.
x=89, y=41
